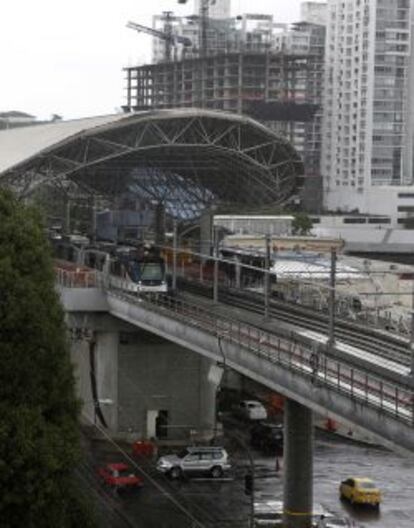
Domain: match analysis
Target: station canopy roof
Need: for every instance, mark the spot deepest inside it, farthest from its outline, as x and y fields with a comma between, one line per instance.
x=189, y=159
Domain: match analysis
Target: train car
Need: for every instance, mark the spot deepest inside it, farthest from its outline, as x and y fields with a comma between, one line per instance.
x=203, y=271
x=68, y=247
x=137, y=270
x=252, y=262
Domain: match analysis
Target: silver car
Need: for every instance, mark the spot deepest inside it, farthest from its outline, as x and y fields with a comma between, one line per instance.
x=211, y=461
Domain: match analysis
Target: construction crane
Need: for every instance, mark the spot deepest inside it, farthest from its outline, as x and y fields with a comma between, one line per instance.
x=167, y=35
x=203, y=17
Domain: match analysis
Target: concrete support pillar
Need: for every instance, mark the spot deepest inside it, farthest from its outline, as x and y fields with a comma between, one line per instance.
x=106, y=367
x=238, y=273
x=298, y=466
x=208, y=389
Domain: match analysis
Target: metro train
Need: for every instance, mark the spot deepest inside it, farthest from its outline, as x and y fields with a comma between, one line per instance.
x=138, y=269
x=134, y=269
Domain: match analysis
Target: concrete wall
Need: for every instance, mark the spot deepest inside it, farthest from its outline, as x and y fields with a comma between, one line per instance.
x=137, y=372
x=157, y=375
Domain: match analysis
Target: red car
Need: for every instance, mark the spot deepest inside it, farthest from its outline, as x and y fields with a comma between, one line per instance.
x=119, y=476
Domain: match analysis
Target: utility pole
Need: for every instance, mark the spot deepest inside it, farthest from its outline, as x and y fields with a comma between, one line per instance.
x=94, y=223
x=411, y=342
x=216, y=263
x=174, y=270
x=266, y=282
x=331, y=305
x=67, y=214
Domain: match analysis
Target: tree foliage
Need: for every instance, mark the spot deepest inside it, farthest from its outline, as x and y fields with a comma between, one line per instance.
x=39, y=436
x=301, y=224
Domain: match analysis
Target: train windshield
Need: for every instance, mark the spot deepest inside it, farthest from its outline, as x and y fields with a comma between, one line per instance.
x=152, y=271
x=133, y=271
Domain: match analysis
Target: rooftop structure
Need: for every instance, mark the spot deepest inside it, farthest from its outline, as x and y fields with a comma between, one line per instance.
x=14, y=118
x=186, y=159
x=247, y=32
x=255, y=224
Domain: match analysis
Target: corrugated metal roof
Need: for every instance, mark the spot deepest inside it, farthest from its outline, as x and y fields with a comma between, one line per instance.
x=20, y=144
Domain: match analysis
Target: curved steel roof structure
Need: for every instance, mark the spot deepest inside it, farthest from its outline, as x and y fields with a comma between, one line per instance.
x=186, y=158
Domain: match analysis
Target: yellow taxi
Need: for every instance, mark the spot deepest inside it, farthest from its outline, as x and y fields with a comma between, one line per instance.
x=360, y=490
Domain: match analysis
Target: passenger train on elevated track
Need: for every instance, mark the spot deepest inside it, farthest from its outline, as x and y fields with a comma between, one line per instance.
x=137, y=269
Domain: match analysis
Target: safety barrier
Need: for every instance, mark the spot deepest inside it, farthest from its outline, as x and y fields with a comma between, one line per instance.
x=319, y=368
x=77, y=278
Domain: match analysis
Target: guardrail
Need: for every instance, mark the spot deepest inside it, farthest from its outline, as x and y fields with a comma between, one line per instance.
x=77, y=278
x=319, y=368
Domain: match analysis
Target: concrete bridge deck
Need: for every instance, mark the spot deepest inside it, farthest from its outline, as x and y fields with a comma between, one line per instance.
x=340, y=387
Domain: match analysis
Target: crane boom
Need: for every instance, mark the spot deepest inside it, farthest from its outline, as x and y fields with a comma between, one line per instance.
x=159, y=34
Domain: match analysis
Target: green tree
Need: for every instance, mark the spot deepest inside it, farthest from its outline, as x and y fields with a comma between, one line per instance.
x=39, y=431
x=301, y=224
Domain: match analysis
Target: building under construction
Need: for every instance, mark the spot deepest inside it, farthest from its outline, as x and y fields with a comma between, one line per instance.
x=271, y=72
x=237, y=82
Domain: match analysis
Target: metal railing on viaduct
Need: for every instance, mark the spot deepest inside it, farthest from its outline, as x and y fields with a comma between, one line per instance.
x=347, y=388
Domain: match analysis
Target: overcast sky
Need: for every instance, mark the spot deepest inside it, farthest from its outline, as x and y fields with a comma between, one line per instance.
x=66, y=56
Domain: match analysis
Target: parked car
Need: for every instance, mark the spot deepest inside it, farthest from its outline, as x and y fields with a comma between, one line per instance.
x=360, y=491
x=267, y=437
x=119, y=476
x=191, y=461
x=250, y=410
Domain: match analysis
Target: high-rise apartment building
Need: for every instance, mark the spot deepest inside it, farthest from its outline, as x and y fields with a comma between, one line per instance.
x=367, y=123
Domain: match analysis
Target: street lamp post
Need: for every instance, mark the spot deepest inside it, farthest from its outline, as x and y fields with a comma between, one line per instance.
x=249, y=477
x=411, y=341
x=174, y=271
x=331, y=330
x=216, y=264
x=267, y=277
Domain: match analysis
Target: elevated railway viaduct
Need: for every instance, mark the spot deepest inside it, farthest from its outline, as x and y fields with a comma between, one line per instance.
x=189, y=160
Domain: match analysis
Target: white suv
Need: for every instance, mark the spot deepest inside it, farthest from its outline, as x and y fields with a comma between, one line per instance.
x=211, y=461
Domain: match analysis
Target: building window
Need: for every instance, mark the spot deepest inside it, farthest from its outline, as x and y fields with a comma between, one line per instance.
x=356, y=220
x=379, y=220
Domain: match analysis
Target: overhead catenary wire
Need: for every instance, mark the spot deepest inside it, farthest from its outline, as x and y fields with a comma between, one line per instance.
x=206, y=513
x=185, y=511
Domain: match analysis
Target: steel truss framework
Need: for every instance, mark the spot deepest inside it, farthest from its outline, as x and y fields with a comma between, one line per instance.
x=188, y=159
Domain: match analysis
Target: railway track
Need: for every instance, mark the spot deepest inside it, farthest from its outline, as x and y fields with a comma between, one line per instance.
x=379, y=342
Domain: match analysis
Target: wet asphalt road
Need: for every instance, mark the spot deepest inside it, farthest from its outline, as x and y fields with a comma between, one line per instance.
x=394, y=474
x=170, y=504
